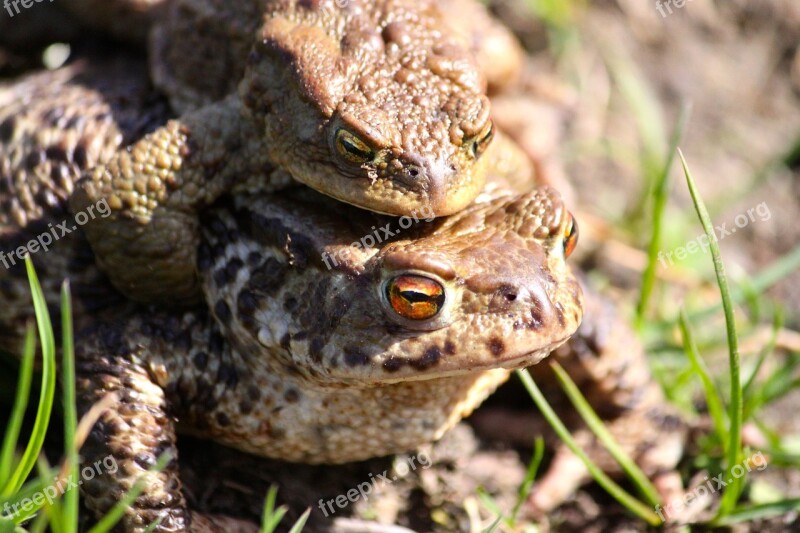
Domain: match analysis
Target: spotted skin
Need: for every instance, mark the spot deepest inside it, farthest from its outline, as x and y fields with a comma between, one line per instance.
x=303, y=363
x=53, y=126
x=379, y=104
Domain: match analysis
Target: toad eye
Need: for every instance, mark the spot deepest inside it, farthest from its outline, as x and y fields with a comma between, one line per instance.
x=571, y=237
x=415, y=297
x=351, y=148
x=482, y=141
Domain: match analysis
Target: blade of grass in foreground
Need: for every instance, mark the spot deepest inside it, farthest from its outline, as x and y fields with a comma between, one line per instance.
x=530, y=474
x=661, y=194
x=630, y=468
x=763, y=511
x=766, y=351
x=272, y=516
x=14, y=502
x=735, y=415
x=47, y=394
x=619, y=494
x=18, y=411
x=6, y=525
x=301, y=522
x=713, y=399
x=70, y=509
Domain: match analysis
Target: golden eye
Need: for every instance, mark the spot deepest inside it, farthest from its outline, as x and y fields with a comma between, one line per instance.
x=415, y=297
x=353, y=149
x=483, y=140
x=571, y=237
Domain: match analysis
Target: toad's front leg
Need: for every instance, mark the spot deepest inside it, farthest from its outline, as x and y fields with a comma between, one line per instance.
x=139, y=428
x=148, y=241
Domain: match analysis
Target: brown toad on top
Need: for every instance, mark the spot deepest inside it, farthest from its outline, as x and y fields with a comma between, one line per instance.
x=375, y=103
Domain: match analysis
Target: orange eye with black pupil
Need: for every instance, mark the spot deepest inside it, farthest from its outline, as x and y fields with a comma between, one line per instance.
x=415, y=297
x=571, y=238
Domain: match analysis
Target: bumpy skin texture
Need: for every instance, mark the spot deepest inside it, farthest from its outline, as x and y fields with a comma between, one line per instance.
x=319, y=367
x=498, y=53
x=54, y=125
x=199, y=50
x=377, y=104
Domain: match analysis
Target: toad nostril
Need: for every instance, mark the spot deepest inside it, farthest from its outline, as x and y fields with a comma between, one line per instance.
x=510, y=296
x=414, y=171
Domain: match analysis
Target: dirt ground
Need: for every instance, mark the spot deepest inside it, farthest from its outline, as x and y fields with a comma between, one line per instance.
x=738, y=63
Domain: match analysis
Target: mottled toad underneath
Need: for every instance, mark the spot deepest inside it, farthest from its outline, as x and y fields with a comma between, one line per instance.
x=382, y=352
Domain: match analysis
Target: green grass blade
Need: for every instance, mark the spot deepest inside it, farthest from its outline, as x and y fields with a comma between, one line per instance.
x=70, y=510
x=594, y=423
x=619, y=494
x=47, y=474
x=530, y=475
x=736, y=411
x=713, y=398
x=494, y=525
x=18, y=411
x=778, y=386
x=47, y=396
x=301, y=522
x=6, y=525
x=493, y=507
x=661, y=195
x=153, y=525
x=14, y=503
x=753, y=513
x=39, y=524
x=488, y=501
x=113, y=516
x=557, y=13
x=766, y=351
x=772, y=274
x=272, y=516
